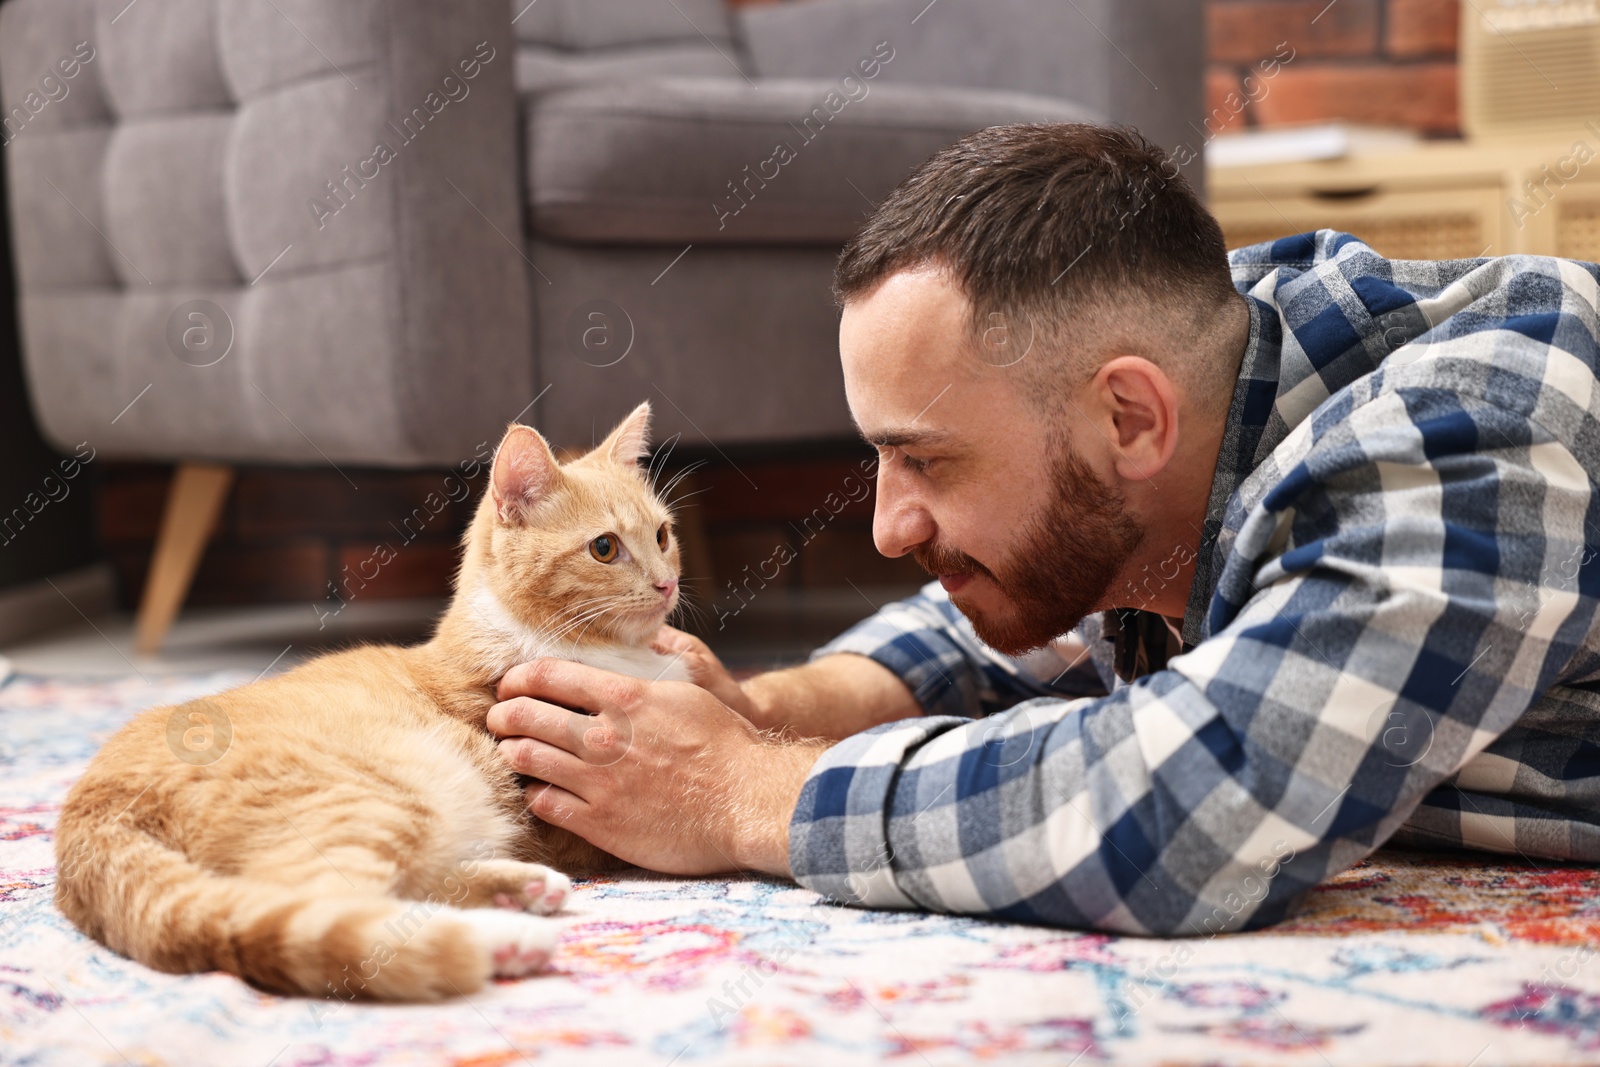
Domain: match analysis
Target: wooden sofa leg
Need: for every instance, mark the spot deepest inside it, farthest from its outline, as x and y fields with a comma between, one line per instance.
x=193, y=502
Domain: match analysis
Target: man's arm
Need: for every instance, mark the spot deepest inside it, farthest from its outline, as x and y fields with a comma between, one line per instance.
x=1417, y=578
x=830, y=697
x=927, y=643
x=914, y=656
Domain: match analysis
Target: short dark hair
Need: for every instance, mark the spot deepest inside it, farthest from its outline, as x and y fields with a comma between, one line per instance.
x=1042, y=221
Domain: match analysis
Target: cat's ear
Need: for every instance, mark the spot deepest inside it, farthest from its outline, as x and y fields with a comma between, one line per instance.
x=524, y=472
x=630, y=441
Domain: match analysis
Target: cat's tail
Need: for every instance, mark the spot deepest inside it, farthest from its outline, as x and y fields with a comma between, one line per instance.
x=147, y=901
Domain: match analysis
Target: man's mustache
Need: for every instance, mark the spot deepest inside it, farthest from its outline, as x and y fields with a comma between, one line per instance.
x=941, y=559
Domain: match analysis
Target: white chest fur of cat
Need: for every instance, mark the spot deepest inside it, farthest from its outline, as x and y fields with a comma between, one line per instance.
x=348, y=830
x=521, y=643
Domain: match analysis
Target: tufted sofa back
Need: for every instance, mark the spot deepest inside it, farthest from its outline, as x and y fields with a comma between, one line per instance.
x=562, y=42
x=329, y=185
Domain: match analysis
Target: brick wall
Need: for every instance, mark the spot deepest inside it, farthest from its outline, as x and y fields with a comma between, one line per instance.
x=285, y=535
x=289, y=535
x=1385, y=62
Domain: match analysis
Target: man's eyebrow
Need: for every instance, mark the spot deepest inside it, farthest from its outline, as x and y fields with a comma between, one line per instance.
x=900, y=438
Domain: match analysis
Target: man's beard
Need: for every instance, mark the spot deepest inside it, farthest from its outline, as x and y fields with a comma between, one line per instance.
x=1064, y=563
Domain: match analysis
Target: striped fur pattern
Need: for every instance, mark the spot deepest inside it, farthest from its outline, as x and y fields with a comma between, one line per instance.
x=347, y=829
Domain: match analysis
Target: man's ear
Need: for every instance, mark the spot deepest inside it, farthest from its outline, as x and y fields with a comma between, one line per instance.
x=1142, y=405
x=524, y=472
x=629, y=443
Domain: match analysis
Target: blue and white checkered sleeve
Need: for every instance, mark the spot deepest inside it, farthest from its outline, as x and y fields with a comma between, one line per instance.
x=1415, y=578
x=931, y=646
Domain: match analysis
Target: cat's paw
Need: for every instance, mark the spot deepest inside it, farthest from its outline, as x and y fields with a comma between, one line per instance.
x=518, y=944
x=530, y=887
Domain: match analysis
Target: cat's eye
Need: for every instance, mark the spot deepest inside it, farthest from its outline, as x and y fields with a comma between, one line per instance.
x=604, y=548
x=661, y=537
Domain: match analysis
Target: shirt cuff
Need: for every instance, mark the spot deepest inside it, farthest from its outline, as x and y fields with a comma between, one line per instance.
x=839, y=833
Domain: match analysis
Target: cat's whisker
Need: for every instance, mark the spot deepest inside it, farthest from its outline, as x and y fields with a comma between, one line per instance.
x=706, y=488
x=573, y=624
x=685, y=470
x=577, y=611
x=672, y=483
x=659, y=458
x=591, y=622
x=541, y=631
x=678, y=502
x=548, y=637
x=662, y=454
x=585, y=618
x=578, y=620
x=677, y=479
x=688, y=603
x=691, y=609
x=697, y=611
x=578, y=607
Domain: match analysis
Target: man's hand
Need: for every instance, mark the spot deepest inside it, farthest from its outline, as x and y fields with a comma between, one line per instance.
x=705, y=669
x=830, y=698
x=660, y=774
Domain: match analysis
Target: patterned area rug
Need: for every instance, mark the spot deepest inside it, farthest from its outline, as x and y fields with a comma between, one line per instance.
x=1465, y=961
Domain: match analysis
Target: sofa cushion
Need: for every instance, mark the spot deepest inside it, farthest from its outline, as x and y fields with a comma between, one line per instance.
x=715, y=160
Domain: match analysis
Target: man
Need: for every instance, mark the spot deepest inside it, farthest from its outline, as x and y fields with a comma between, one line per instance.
x=1336, y=512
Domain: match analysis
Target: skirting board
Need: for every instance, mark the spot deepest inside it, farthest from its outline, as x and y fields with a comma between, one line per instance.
x=51, y=603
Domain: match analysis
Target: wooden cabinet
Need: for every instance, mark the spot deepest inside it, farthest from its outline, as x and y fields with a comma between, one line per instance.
x=1441, y=200
x=1577, y=225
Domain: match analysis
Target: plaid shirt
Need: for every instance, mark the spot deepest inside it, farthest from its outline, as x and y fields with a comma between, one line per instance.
x=1389, y=637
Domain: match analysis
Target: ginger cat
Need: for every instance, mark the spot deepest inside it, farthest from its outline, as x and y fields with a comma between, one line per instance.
x=348, y=828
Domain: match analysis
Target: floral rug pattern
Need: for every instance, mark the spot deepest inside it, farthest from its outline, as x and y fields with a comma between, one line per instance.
x=1410, y=958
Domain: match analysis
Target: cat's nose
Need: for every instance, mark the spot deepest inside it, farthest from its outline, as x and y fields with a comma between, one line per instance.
x=667, y=585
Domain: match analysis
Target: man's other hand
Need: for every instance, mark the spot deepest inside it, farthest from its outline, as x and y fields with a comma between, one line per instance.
x=705, y=669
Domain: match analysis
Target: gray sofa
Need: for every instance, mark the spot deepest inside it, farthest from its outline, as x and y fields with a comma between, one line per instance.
x=371, y=232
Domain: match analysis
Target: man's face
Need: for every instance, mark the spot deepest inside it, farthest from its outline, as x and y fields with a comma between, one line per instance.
x=1025, y=535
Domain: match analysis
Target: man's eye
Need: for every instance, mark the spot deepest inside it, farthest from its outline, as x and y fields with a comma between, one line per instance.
x=914, y=464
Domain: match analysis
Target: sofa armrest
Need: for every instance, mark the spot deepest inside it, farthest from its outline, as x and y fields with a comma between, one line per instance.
x=336, y=181
x=1139, y=62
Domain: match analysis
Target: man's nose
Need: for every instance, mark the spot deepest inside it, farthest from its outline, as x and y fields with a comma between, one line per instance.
x=899, y=521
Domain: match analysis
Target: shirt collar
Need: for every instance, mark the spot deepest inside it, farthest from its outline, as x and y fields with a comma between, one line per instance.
x=1255, y=395
x=1312, y=331
x=1143, y=641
